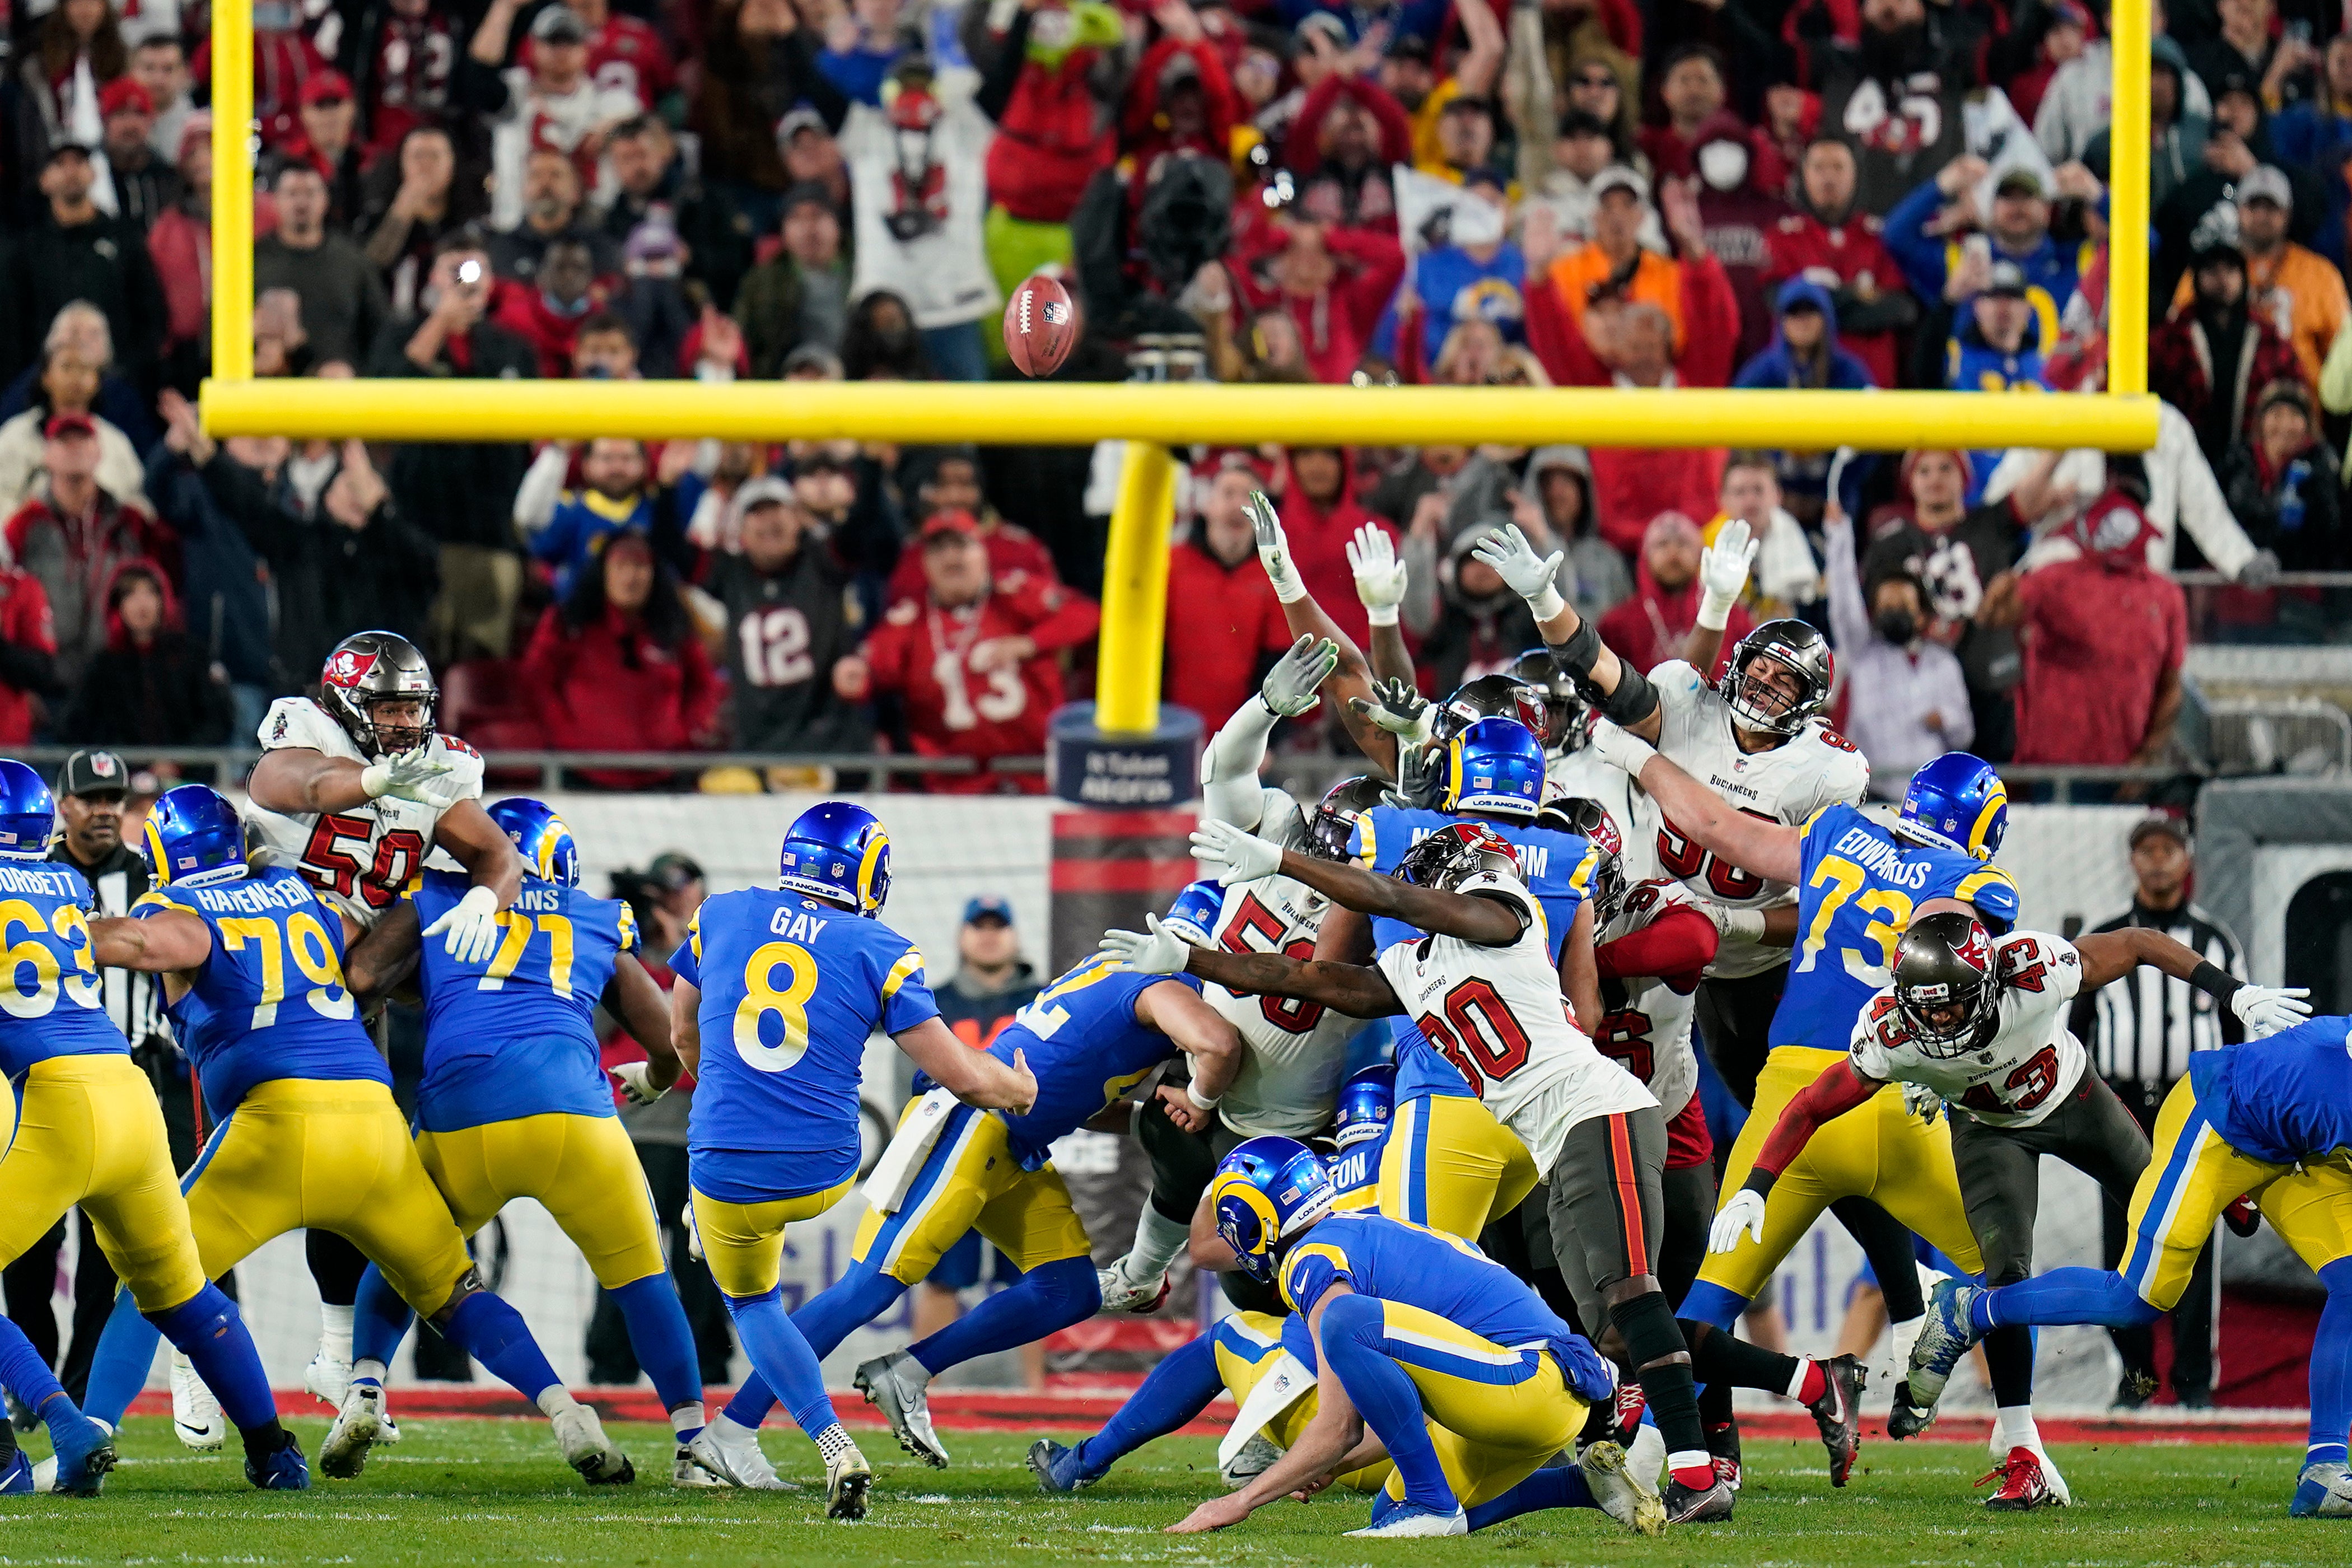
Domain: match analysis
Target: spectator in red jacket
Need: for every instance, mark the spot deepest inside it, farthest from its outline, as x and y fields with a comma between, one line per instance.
x=1632, y=484
x=1317, y=494
x=182, y=244
x=1334, y=283
x=975, y=661
x=28, y=653
x=72, y=535
x=1571, y=310
x=619, y=667
x=1180, y=98
x=1054, y=130
x=545, y=310
x=1830, y=242
x=1348, y=136
x=1649, y=628
x=2215, y=355
x=1223, y=615
x=2104, y=636
x=947, y=479
x=1692, y=89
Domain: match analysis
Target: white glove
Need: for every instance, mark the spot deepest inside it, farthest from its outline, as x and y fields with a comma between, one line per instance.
x=1921, y=1101
x=1620, y=747
x=2265, y=1010
x=1531, y=576
x=472, y=924
x=1274, y=550
x=410, y=776
x=1743, y=1213
x=637, y=1083
x=693, y=1234
x=1290, y=687
x=1231, y=856
x=1161, y=951
x=1723, y=573
x=1380, y=575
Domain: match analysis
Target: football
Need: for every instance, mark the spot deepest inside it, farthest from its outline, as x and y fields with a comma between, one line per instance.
x=1041, y=325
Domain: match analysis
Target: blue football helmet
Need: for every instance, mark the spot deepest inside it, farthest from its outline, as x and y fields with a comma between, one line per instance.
x=194, y=838
x=1366, y=1101
x=1957, y=802
x=1265, y=1192
x=840, y=853
x=1495, y=764
x=1193, y=915
x=29, y=812
x=541, y=836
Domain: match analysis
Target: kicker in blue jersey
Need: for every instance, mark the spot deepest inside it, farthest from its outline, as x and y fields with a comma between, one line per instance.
x=269, y=1001
x=1081, y=1039
x=2287, y=1099
x=514, y=1034
x=52, y=1005
x=791, y=989
x=1559, y=870
x=1860, y=884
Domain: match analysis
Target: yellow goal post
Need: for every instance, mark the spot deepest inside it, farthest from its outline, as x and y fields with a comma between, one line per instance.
x=1153, y=417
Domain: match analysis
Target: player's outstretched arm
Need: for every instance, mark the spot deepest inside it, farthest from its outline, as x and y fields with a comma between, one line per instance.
x=973, y=1077
x=1231, y=856
x=1357, y=990
x=2264, y=1010
x=158, y=945
x=632, y=996
x=1722, y=578
x=1177, y=1011
x=1352, y=677
x=296, y=779
x=386, y=956
x=1575, y=644
x=1754, y=844
x=1330, y=1437
x=1840, y=1088
x=1230, y=790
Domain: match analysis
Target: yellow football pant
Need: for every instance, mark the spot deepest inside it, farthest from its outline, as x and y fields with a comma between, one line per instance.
x=744, y=1243
x=583, y=1170
x=1451, y=1166
x=971, y=1181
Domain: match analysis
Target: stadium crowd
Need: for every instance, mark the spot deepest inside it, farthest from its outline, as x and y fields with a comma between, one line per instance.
x=1800, y=194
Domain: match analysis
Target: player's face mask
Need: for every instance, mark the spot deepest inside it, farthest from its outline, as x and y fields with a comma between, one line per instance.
x=402, y=723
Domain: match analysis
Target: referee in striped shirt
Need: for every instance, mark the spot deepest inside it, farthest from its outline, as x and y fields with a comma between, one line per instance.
x=2141, y=1031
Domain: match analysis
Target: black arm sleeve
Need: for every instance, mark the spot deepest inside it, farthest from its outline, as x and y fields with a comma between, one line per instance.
x=1003, y=71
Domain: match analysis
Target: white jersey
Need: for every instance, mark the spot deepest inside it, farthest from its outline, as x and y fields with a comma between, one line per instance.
x=1647, y=1023
x=1496, y=1014
x=1582, y=773
x=1815, y=767
x=1289, y=1078
x=357, y=860
x=2030, y=1065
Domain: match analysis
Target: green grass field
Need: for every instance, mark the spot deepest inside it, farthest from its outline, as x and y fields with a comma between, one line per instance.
x=494, y=1492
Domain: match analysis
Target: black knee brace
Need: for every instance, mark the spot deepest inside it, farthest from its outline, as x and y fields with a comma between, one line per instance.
x=1652, y=1335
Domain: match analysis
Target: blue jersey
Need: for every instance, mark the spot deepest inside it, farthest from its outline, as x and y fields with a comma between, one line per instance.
x=1081, y=1039
x=1557, y=868
x=2285, y=1099
x=1356, y=1174
x=1373, y=1255
x=792, y=988
x=52, y=1001
x=1855, y=900
x=514, y=1034
x=269, y=1001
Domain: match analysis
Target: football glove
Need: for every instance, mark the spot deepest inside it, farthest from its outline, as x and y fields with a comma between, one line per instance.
x=1531, y=576
x=636, y=1082
x=1397, y=706
x=1921, y=1101
x=1289, y=688
x=1723, y=573
x=1620, y=748
x=1744, y=1214
x=411, y=776
x=1380, y=575
x=1274, y=550
x=1231, y=856
x=1159, y=951
x=469, y=927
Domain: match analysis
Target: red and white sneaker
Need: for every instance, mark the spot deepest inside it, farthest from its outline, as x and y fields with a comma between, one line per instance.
x=2022, y=1484
x=1123, y=1293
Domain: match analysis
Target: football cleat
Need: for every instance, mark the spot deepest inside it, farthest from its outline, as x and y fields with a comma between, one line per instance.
x=1944, y=1338
x=83, y=1453
x=343, y=1453
x=697, y=1463
x=196, y=1418
x=18, y=1475
x=1408, y=1523
x=1254, y=1459
x=326, y=1379
x=1621, y=1492
x=2022, y=1484
x=1058, y=1469
x=847, y=1482
x=2324, y=1491
x=736, y=1448
x=1727, y=1469
x=1697, y=1505
x=1122, y=1294
x=1905, y=1416
x=279, y=1469
x=587, y=1450
x=1838, y=1414
x=1723, y=1452
x=1625, y=1418
x=903, y=1399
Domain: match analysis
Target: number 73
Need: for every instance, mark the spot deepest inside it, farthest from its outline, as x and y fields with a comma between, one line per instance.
x=1889, y=914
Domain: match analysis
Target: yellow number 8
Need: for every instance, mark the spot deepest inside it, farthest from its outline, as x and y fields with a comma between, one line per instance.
x=760, y=999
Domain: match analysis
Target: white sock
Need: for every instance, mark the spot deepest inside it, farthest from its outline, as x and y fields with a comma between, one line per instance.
x=2014, y=1427
x=1907, y=1334
x=554, y=1400
x=1158, y=1241
x=372, y=1371
x=687, y=1420
x=834, y=1442
x=335, y=1331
